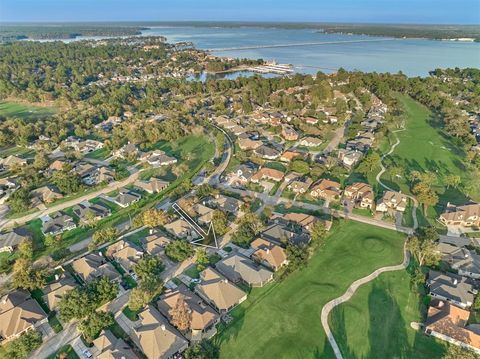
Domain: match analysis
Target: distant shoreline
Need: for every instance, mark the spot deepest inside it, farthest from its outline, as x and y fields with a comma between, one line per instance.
x=39, y=31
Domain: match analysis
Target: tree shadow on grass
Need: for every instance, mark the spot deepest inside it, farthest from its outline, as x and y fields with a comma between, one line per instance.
x=230, y=331
x=387, y=334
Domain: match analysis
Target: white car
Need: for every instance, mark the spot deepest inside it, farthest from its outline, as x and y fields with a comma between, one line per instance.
x=87, y=354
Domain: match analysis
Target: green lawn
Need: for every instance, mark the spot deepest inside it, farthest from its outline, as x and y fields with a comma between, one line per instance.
x=283, y=319
x=100, y=154
x=131, y=314
x=65, y=352
x=425, y=147
x=55, y=323
x=17, y=151
x=375, y=322
x=137, y=237
x=192, y=272
x=276, y=166
x=363, y=212
x=24, y=111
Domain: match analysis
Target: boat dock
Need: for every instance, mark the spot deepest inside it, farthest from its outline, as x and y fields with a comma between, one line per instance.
x=272, y=68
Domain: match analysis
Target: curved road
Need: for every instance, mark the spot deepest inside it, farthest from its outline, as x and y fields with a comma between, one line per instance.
x=327, y=308
x=382, y=171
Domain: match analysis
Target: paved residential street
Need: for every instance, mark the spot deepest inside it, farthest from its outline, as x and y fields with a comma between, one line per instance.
x=54, y=343
x=4, y=223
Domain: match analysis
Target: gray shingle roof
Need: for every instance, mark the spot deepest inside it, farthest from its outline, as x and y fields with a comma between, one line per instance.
x=451, y=286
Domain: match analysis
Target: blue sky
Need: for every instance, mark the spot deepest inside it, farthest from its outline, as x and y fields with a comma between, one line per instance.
x=386, y=11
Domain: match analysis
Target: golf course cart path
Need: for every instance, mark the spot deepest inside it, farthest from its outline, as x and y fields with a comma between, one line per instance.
x=382, y=171
x=327, y=308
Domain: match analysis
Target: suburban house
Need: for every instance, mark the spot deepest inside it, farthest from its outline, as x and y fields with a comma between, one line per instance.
x=92, y=175
x=269, y=254
x=10, y=240
x=392, y=201
x=261, y=117
x=93, y=266
x=154, y=244
x=349, y=158
x=238, y=269
x=306, y=221
x=204, y=213
x=202, y=317
x=310, y=141
x=450, y=323
x=108, y=346
x=361, y=194
x=126, y=198
x=158, y=158
x=19, y=313
x=56, y=165
x=45, y=194
x=362, y=142
x=246, y=144
x=153, y=185
x=80, y=145
x=300, y=185
x=53, y=292
x=311, y=120
x=289, y=156
x=267, y=152
x=155, y=336
x=180, y=229
x=241, y=174
x=124, y=253
x=289, y=133
x=57, y=223
x=226, y=204
x=452, y=288
x=238, y=130
x=283, y=234
x=267, y=174
x=465, y=261
x=218, y=291
x=12, y=161
x=104, y=175
x=463, y=216
x=88, y=212
x=326, y=189
x=86, y=172
x=128, y=151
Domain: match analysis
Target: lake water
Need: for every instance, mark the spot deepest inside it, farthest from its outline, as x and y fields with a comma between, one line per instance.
x=414, y=57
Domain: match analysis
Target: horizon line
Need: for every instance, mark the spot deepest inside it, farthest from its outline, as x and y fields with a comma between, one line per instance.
x=45, y=22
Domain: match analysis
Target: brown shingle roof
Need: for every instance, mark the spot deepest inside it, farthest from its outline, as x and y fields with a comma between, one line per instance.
x=219, y=290
x=269, y=252
x=450, y=321
x=156, y=337
x=18, y=312
x=202, y=315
